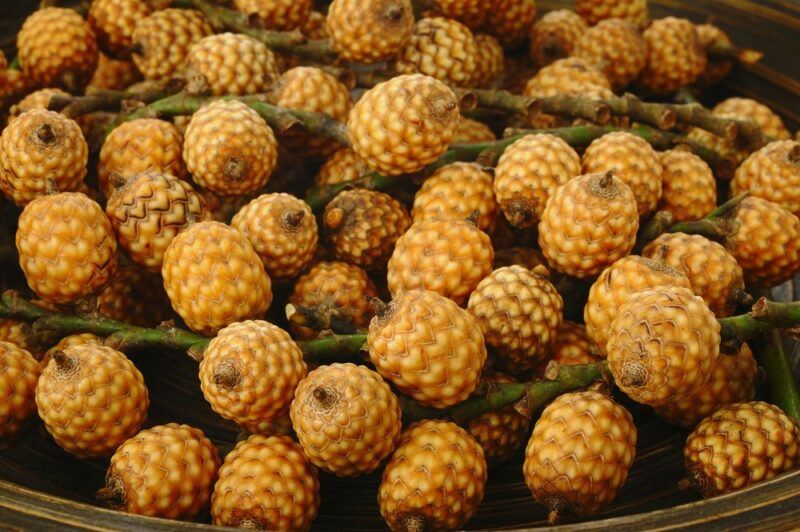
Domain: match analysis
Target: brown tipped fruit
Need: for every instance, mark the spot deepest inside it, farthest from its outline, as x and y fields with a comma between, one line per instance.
x=368, y=31
x=554, y=35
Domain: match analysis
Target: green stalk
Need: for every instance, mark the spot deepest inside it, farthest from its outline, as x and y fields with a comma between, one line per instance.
x=783, y=390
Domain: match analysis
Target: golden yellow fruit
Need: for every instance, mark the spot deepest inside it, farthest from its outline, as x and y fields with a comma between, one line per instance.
x=113, y=23
x=19, y=373
x=281, y=15
x=616, y=47
x=368, y=31
x=441, y=48
x=689, y=190
x=675, y=56
x=554, y=35
x=772, y=173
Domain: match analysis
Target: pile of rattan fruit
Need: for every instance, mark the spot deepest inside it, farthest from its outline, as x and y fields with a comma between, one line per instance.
x=476, y=238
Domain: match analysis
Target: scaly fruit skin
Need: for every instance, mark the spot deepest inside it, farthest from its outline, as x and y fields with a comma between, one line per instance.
x=510, y=20
x=19, y=373
x=336, y=288
x=573, y=346
x=250, y=371
x=402, y=125
x=144, y=145
x=519, y=312
x=314, y=26
x=268, y=484
x=471, y=131
x=616, y=47
x=135, y=296
x=653, y=361
x=66, y=246
x=229, y=148
x=41, y=150
x=280, y=15
x=633, y=161
x=434, y=480
x=675, y=55
x=346, y=418
x=280, y=426
x=716, y=70
x=343, y=165
x=588, y=223
x=593, y=11
x=214, y=277
x=21, y=334
x=230, y=63
x=39, y=99
x=732, y=380
x=457, y=191
x=362, y=226
x=471, y=13
x=311, y=89
x=69, y=341
x=114, y=75
x=689, y=190
x=499, y=432
x=765, y=241
x=283, y=230
x=554, y=35
x=713, y=272
x=162, y=42
x=489, y=61
x=113, y=23
x=149, y=211
x=617, y=284
x=91, y=399
x=579, y=453
x=441, y=48
x=368, y=31
x=57, y=49
x=165, y=471
x=772, y=173
x=528, y=173
x=449, y=257
x=431, y=349
x=740, y=445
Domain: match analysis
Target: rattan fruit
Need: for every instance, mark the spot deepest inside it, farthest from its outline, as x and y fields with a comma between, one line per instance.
x=21, y=334
x=230, y=63
x=57, y=49
x=214, y=277
x=740, y=445
x=402, y=125
x=428, y=347
x=528, y=173
x=134, y=296
x=40, y=152
x=689, y=190
x=713, y=272
x=675, y=55
x=434, y=480
x=618, y=283
x=315, y=26
x=362, y=226
x=136, y=147
x=165, y=471
x=266, y=483
x=616, y=47
x=732, y=380
x=19, y=372
x=161, y=42
x=579, y=453
x=588, y=224
x=596, y=10
x=91, y=399
x=489, y=61
x=229, y=148
x=346, y=418
x=66, y=246
x=472, y=13
x=311, y=89
x=441, y=48
x=519, y=312
x=765, y=240
x=653, y=361
x=283, y=231
x=69, y=341
x=113, y=23
x=458, y=191
x=113, y=74
x=471, y=131
x=335, y=289
x=510, y=20
x=573, y=346
x=718, y=69
x=449, y=257
x=343, y=165
x=281, y=15
x=250, y=371
x=368, y=31
x=280, y=426
x=39, y=99
x=149, y=211
x=499, y=432
x=554, y=35
x=633, y=161
x=772, y=173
